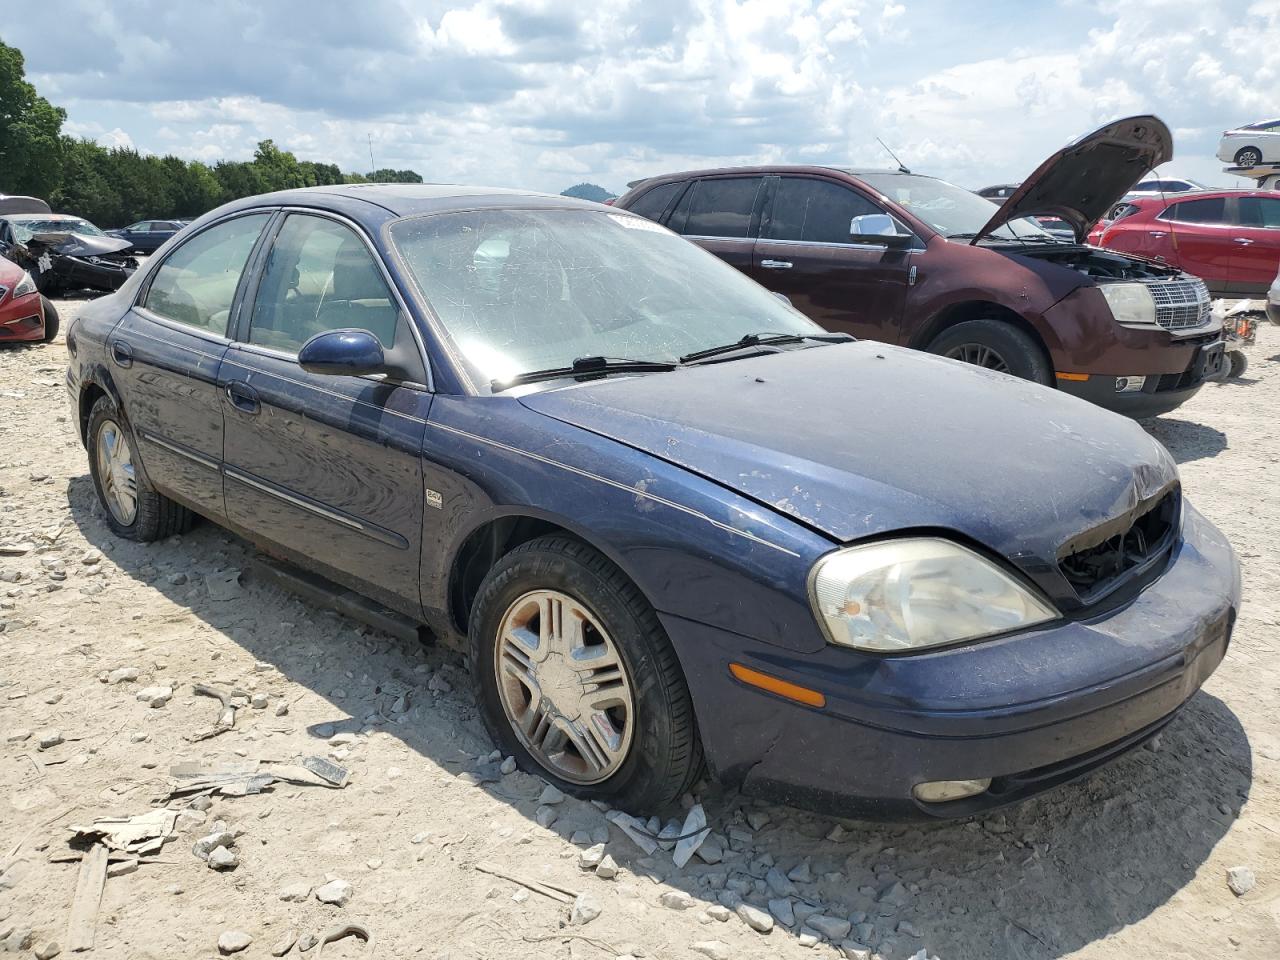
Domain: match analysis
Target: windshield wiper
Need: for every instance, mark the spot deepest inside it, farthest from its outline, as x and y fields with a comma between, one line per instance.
x=762, y=339
x=584, y=367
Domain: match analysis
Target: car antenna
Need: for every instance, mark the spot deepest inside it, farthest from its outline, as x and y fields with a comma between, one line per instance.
x=901, y=167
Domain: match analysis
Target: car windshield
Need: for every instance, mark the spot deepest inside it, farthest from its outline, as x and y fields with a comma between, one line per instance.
x=25, y=227
x=951, y=210
x=524, y=290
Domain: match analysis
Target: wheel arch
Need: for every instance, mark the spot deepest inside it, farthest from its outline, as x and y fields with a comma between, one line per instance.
x=958, y=313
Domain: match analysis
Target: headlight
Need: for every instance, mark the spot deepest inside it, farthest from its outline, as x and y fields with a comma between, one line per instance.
x=1130, y=304
x=25, y=286
x=902, y=595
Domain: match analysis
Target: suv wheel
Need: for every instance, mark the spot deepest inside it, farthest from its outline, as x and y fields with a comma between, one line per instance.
x=577, y=679
x=995, y=345
x=134, y=509
x=1248, y=157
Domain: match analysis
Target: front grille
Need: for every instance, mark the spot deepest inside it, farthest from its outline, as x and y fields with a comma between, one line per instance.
x=1180, y=304
x=1107, y=555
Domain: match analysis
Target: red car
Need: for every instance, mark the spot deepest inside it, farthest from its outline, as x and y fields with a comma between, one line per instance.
x=24, y=314
x=1228, y=238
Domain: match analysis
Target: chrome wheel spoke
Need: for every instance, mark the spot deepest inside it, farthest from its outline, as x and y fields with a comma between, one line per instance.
x=116, y=473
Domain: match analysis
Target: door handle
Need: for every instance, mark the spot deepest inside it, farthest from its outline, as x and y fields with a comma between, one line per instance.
x=776, y=264
x=121, y=353
x=1159, y=233
x=1242, y=240
x=243, y=397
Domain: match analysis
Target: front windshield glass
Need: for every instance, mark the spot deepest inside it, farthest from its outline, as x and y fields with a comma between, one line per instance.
x=951, y=210
x=523, y=290
x=24, y=227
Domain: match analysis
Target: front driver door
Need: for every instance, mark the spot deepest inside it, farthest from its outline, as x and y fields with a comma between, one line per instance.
x=326, y=467
x=804, y=252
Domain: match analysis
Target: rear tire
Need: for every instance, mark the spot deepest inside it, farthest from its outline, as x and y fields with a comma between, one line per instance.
x=1239, y=364
x=995, y=345
x=649, y=752
x=153, y=515
x=1248, y=157
x=51, y=319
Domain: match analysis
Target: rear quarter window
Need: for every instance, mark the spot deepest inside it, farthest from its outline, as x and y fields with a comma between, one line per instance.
x=653, y=203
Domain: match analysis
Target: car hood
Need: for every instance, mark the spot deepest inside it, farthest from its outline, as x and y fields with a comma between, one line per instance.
x=80, y=244
x=1088, y=176
x=861, y=439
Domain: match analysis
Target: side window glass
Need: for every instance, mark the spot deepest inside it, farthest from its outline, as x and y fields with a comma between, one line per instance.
x=1259, y=211
x=197, y=282
x=1208, y=210
x=320, y=276
x=815, y=211
x=722, y=207
x=654, y=203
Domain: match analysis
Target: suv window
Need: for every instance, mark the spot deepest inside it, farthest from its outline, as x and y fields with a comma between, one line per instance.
x=1207, y=210
x=717, y=208
x=815, y=211
x=320, y=276
x=197, y=282
x=1147, y=185
x=654, y=203
x=1259, y=211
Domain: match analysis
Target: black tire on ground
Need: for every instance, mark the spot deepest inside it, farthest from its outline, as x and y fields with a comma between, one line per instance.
x=665, y=755
x=156, y=516
x=998, y=344
x=1248, y=157
x=51, y=319
x=48, y=285
x=1239, y=363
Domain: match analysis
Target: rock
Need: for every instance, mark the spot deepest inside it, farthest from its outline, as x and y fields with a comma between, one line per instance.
x=755, y=918
x=833, y=928
x=782, y=909
x=550, y=795
x=122, y=868
x=123, y=675
x=343, y=739
x=155, y=696
x=895, y=894
x=233, y=941
x=201, y=803
x=590, y=858
x=853, y=950
x=718, y=911
x=47, y=950
x=91, y=556
x=507, y=767
x=711, y=850
x=667, y=836
x=439, y=684
x=801, y=873
x=282, y=710
x=16, y=940
x=804, y=911
x=50, y=739
x=221, y=858
x=740, y=838
x=224, y=585
x=1241, y=880
x=18, y=735
x=607, y=869
x=758, y=819
x=779, y=884
x=808, y=939
x=205, y=846
x=336, y=892
x=837, y=833
x=677, y=900
x=585, y=909
x=259, y=701
x=907, y=929
x=284, y=944
x=715, y=949
x=545, y=816
x=307, y=941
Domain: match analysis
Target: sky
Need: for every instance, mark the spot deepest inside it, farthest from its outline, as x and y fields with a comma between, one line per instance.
x=541, y=95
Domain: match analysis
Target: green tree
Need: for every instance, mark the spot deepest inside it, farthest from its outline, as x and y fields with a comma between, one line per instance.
x=387, y=175
x=30, y=132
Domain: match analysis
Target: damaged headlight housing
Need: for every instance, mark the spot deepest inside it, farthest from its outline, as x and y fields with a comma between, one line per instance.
x=903, y=595
x=25, y=286
x=1131, y=304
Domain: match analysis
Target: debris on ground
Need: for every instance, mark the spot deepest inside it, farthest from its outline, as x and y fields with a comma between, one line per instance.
x=693, y=833
x=1241, y=880
x=226, y=719
x=342, y=931
x=142, y=834
x=336, y=892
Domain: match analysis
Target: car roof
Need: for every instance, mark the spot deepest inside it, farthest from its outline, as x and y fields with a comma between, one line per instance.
x=1171, y=198
x=409, y=199
x=777, y=168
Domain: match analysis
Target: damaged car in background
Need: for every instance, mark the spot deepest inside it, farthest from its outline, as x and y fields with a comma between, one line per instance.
x=667, y=517
x=65, y=253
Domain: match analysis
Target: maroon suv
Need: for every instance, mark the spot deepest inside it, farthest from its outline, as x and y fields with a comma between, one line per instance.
x=917, y=261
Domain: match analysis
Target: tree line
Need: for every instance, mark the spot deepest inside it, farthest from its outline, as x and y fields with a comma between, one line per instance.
x=118, y=186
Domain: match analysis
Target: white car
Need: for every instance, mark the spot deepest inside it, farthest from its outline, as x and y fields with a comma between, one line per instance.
x=1252, y=145
x=1155, y=186
x=1273, y=301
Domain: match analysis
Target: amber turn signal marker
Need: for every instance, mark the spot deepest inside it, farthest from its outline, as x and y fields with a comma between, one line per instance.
x=810, y=698
x=1072, y=376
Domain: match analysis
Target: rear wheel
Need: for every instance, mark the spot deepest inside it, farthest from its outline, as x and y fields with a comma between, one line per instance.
x=577, y=679
x=995, y=345
x=1239, y=363
x=51, y=319
x=1248, y=157
x=134, y=509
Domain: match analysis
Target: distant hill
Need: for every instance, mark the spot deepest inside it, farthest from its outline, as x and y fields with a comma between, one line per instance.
x=588, y=191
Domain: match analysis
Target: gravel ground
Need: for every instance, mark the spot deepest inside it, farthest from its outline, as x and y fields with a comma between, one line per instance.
x=1133, y=861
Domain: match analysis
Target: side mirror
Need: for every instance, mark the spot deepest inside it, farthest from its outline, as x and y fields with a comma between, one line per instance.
x=877, y=229
x=349, y=353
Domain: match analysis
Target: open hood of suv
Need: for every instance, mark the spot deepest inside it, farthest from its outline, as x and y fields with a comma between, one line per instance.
x=1088, y=176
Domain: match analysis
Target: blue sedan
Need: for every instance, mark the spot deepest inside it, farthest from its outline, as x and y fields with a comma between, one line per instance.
x=673, y=524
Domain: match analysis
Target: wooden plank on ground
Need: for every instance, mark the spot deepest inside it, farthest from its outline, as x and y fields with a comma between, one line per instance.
x=84, y=908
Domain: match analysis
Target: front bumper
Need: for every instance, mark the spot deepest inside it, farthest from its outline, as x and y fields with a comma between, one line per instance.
x=1029, y=711
x=1162, y=393
x=1273, y=311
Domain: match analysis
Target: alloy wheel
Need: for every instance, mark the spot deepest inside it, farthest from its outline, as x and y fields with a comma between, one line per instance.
x=1249, y=158
x=564, y=687
x=978, y=355
x=116, y=472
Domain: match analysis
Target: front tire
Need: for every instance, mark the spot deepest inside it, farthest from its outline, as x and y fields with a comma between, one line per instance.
x=1248, y=157
x=995, y=345
x=577, y=679
x=135, y=511
x=51, y=319
x=1239, y=363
